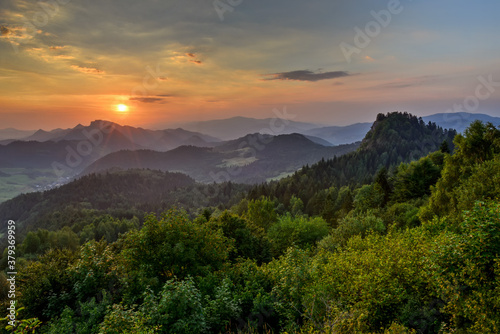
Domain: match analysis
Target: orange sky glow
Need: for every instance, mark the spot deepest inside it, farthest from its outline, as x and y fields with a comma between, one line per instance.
x=171, y=64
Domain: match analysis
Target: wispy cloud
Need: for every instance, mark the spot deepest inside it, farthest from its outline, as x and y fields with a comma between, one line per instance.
x=88, y=70
x=306, y=75
x=148, y=99
x=409, y=82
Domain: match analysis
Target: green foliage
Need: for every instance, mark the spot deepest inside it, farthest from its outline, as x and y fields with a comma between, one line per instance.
x=350, y=226
x=47, y=284
x=42, y=240
x=372, y=282
x=94, y=270
x=468, y=270
x=223, y=307
x=414, y=180
x=64, y=324
x=402, y=215
x=107, y=228
x=170, y=247
x=85, y=320
x=290, y=274
x=121, y=320
x=369, y=197
x=296, y=206
x=177, y=308
x=479, y=144
x=262, y=213
x=23, y=326
x=300, y=231
x=248, y=241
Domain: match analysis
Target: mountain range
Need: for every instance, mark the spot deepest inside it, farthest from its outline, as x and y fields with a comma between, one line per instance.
x=37, y=160
x=206, y=133
x=254, y=158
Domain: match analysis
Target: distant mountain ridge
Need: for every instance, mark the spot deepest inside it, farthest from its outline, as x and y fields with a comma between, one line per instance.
x=207, y=133
x=253, y=158
x=237, y=127
x=11, y=133
x=159, y=140
x=460, y=121
x=338, y=135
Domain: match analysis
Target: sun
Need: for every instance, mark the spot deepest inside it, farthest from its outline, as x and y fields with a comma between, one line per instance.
x=122, y=108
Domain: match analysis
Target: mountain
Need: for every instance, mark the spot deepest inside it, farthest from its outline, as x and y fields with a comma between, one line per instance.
x=159, y=140
x=460, y=121
x=119, y=193
x=393, y=138
x=70, y=156
x=11, y=133
x=338, y=135
x=237, y=127
x=42, y=135
x=321, y=141
x=250, y=159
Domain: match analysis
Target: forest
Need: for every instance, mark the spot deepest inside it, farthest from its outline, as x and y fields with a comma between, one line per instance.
x=400, y=236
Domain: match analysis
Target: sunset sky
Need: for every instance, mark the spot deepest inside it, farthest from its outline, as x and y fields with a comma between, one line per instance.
x=64, y=62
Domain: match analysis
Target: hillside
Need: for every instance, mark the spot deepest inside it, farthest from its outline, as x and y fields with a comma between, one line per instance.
x=120, y=193
x=250, y=159
x=393, y=138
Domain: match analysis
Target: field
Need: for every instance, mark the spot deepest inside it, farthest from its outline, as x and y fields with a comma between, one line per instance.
x=15, y=181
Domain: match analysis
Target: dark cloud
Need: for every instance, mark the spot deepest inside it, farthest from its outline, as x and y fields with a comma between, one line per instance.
x=306, y=75
x=148, y=99
x=192, y=55
x=199, y=62
x=4, y=31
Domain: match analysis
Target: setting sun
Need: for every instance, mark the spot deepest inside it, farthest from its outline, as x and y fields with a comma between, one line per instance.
x=122, y=108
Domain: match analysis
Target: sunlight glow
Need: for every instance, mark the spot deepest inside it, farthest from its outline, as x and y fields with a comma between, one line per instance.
x=122, y=108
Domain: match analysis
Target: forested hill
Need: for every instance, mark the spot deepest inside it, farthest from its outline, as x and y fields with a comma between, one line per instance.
x=393, y=138
x=122, y=194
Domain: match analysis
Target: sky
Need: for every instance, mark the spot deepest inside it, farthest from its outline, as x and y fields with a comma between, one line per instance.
x=332, y=62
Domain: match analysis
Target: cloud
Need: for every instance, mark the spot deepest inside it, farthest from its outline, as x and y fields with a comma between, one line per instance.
x=88, y=70
x=194, y=60
x=306, y=75
x=148, y=99
x=4, y=31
